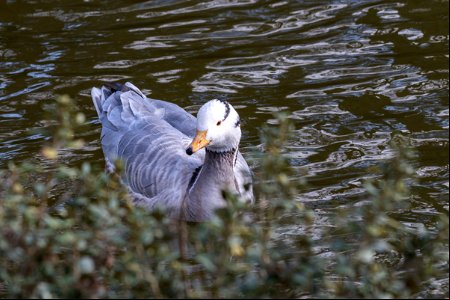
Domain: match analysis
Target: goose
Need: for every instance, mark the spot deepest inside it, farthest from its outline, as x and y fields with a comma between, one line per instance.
x=172, y=160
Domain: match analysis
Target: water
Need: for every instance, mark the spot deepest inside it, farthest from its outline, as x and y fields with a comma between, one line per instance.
x=350, y=72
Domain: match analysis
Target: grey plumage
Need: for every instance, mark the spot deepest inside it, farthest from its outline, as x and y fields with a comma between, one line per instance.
x=150, y=137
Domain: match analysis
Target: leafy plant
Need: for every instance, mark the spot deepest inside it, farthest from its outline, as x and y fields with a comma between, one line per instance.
x=70, y=231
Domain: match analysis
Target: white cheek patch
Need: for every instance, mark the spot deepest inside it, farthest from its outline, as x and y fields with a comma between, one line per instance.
x=203, y=121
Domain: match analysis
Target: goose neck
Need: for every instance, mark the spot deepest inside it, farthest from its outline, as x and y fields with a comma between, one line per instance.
x=215, y=176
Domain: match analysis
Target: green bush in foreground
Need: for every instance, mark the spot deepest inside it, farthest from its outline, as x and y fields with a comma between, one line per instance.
x=71, y=232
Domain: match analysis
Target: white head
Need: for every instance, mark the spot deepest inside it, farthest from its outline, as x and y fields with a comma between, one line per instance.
x=218, y=128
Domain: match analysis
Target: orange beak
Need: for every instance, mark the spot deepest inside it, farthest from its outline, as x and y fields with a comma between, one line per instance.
x=198, y=143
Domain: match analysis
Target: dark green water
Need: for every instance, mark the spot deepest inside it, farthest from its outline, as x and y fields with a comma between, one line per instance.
x=350, y=72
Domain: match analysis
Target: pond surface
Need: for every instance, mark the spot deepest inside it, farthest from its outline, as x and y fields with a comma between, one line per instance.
x=350, y=73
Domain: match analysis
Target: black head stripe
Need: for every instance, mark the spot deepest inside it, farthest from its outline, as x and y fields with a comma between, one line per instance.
x=227, y=109
x=238, y=122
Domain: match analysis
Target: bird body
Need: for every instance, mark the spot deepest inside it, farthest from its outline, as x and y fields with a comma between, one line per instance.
x=171, y=159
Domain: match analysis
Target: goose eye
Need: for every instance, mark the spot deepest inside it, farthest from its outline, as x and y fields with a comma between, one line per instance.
x=218, y=123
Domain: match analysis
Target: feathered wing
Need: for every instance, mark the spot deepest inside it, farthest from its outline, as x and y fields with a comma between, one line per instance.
x=177, y=117
x=157, y=169
x=244, y=178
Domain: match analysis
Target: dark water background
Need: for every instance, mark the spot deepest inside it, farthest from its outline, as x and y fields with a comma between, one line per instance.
x=350, y=72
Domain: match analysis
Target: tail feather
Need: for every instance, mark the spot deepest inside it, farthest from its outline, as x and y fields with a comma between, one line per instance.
x=132, y=87
x=97, y=98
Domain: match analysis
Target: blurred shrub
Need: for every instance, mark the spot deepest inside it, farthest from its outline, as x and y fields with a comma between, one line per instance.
x=71, y=232
x=389, y=259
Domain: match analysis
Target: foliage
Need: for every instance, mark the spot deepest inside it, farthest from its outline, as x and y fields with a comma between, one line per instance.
x=391, y=259
x=72, y=232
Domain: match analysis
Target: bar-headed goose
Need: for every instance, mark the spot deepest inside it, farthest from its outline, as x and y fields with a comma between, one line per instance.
x=173, y=160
